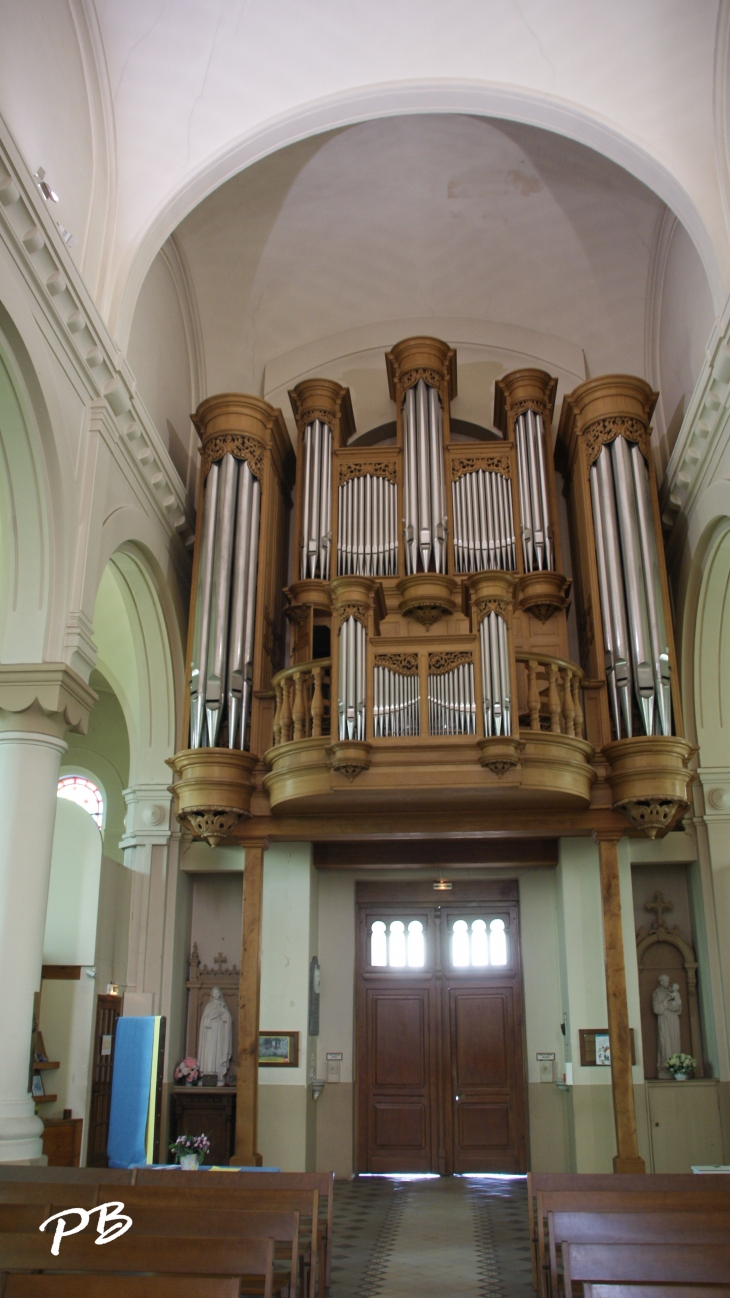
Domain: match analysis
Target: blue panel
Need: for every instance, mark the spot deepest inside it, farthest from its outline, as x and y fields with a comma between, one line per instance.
x=130, y=1091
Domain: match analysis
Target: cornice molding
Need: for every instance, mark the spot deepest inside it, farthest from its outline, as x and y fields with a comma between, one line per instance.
x=68, y=310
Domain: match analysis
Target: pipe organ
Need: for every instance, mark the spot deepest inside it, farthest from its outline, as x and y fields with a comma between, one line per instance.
x=431, y=643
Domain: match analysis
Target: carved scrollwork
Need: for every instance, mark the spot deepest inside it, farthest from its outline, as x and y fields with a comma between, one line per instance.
x=529, y=403
x=240, y=446
x=360, y=469
x=652, y=814
x=296, y=613
x=358, y=611
x=603, y=431
x=441, y=662
x=409, y=378
x=211, y=824
x=490, y=463
x=309, y=415
x=491, y=604
x=404, y=664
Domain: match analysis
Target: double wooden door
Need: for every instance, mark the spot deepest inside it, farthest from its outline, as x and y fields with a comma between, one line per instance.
x=441, y=1079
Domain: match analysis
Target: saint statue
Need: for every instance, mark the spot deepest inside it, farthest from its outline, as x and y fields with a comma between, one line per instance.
x=214, y=1039
x=666, y=1003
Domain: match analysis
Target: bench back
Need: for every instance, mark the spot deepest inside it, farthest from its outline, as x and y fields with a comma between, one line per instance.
x=645, y=1264
x=125, y=1286
x=655, y=1291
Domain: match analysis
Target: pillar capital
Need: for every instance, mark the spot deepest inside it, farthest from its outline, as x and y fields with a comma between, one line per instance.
x=147, y=822
x=44, y=699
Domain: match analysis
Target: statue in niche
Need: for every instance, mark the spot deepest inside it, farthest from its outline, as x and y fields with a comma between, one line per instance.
x=215, y=1036
x=666, y=1003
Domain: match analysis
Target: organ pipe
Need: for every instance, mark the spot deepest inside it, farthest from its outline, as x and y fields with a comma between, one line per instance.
x=367, y=540
x=537, y=530
x=352, y=672
x=484, y=530
x=425, y=521
x=634, y=629
x=396, y=703
x=497, y=703
x=451, y=701
x=222, y=653
x=316, y=538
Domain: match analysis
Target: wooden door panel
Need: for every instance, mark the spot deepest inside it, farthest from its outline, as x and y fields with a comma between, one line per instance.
x=400, y=1125
x=483, y=1126
x=399, y=1038
x=481, y=1026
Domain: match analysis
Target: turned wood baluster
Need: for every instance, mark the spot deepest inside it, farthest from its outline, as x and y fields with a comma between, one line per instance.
x=286, y=719
x=317, y=703
x=577, y=707
x=299, y=711
x=533, y=695
x=277, y=715
x=568, y=707
x=553, y=699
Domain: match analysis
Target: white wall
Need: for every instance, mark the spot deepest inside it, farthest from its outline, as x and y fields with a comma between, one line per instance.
x=73, y=896
x=217, y=909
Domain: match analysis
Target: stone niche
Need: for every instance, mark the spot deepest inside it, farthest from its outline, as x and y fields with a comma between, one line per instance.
x=215, y=951
x=665, y=945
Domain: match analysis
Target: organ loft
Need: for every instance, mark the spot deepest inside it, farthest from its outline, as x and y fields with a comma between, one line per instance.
x=432, y=630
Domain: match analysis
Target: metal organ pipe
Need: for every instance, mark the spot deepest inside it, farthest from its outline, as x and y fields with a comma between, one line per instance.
x=367, y=540
x=396, y=710
x=634, y=634
x=352, y=665
x=222, y=657
x=484, y=530
x=316, y=540
x=495, y=675
x=425, y=521
x=452, y=701
x=537, y=533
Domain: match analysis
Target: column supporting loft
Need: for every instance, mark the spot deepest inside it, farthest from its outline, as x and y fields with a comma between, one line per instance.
x=627, y=1158
x=247, y=1081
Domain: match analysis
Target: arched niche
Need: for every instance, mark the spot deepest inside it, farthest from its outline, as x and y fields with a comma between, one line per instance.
x=661, y=950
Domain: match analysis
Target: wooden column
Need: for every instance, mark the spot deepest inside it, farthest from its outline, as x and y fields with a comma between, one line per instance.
x=622, y=1083
x=247, y=1083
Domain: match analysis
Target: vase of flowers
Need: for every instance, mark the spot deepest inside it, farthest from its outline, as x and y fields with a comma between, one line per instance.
x=188, y=1071
x=190, y=1151
x=681, y=1066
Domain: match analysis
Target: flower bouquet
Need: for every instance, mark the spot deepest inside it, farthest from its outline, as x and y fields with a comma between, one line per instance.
x=681, y=1066
x=188, y=1071
x=190, y=1151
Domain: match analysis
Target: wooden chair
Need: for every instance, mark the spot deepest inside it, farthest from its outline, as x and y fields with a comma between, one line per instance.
x=590, y=1227
x=694, y=1264
x=581, y=1182
x=250, y=1260
x=125, y=1286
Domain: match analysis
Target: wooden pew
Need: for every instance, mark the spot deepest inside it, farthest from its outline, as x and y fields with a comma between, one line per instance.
x=250, y=1260
x=583, y=1181
x=656, y=1291
x=619, y=1228
x=594, y=1201
x=322, y=1181
x=125, y=1286
x=695, y=1264
x=282, y=1227
x=192, y=1190
x=72, y=1175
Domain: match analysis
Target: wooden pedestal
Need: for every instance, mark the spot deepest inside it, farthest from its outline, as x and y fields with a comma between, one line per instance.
x=205, y=1110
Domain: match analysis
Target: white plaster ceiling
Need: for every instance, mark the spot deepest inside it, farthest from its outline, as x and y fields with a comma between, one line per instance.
x=518, y=245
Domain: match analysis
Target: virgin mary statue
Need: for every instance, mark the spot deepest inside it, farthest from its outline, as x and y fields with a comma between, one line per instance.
x=214, y=1039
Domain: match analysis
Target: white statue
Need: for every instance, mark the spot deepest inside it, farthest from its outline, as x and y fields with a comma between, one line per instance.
x=666, y=1003
x=214, y=1038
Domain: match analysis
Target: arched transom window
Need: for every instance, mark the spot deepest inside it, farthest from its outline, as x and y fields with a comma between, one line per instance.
x=477, y=943
x=398, y=944
x=82, y=791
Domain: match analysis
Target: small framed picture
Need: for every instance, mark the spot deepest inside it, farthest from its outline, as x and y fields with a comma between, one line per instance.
x=603, y=1050
x=595, y=1047
x=38, y=1090
x=278, y=1049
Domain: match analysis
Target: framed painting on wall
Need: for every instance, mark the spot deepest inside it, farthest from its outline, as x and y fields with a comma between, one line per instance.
x=278, y=1049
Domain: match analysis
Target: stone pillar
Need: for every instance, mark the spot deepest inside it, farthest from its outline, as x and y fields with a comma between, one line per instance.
x=38, y=704
x=249, y=996
x=627, y=1158
x=145, y=844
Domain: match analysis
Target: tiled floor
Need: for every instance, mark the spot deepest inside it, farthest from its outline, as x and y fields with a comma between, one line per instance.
x=442, y=1237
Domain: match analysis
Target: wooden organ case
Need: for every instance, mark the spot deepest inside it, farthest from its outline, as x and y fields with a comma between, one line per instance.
x=428, y=610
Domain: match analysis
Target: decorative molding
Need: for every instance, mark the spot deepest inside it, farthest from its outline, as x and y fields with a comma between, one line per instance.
x=44, y=697
x=239, y=445
x=210, y=825
x=529, y=403
x=490, y=463
x=409, y=378
x=361, y=469
x=349, y=757
x=603, y=431
x=441, y=662
x=653, y=814
x=61, y=297
x=147, y=822
x=358, y=611
x=404, y=664
x=491, y=604
x=308, y=416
